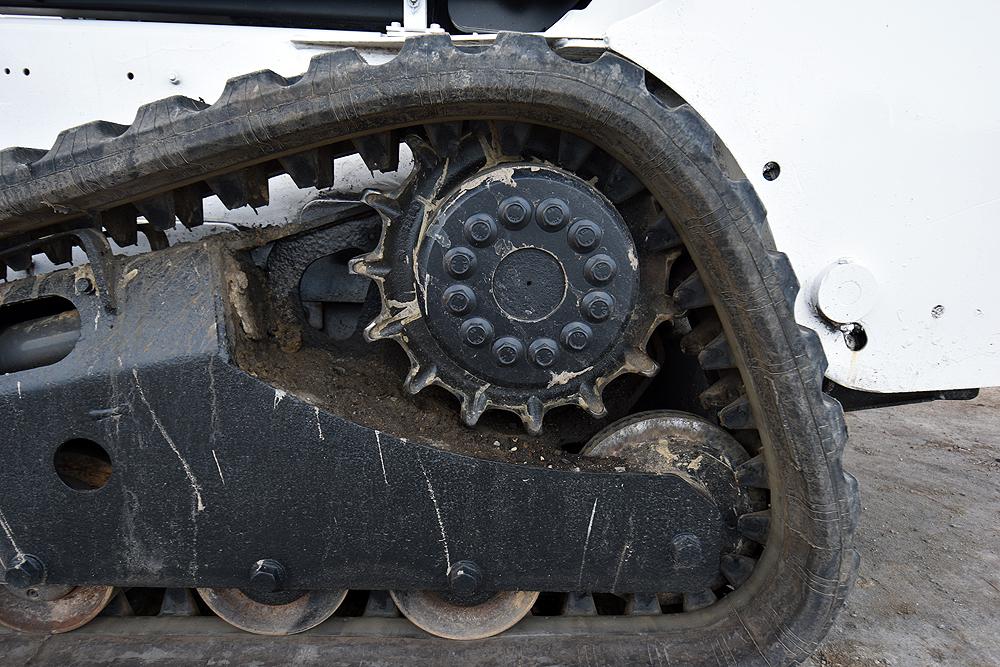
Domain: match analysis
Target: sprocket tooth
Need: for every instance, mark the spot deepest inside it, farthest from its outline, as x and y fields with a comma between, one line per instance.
x=737, y=415
x=534, y=415
x=59, y=250
x=755, y=526
x=380, y=152
x=723, y=392
x=699, y=600
x=370, y=269
x=691, y=294
x=753, y=473
x=693, y=342
x=736, y=568
x=444, y=137
x=422, y=151
x=381, y=329
x=247, y=187
x=387, y=207
x=473, y=408
x=310, y=169
x=419, y=378
x=573, y=151
x=189, y=206
x=121, y=225
x=158, y=211
x=637, y=361
x=717, y=355
x=620, y=184
x=512, y=137
x=662, y=236
x=591, y=401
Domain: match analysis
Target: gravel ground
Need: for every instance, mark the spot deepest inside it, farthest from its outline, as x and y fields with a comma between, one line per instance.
x=929, y=588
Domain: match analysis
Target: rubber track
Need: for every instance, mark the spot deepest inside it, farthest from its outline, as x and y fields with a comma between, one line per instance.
x=263, y=116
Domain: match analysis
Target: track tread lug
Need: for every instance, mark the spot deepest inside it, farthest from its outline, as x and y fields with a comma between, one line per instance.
x=579, y=604
x=310, y=169
x=158, y=211
x=573, y=151
x=753, y=473
x=703, y=333
x=737, y=568
x=691, y=294
x=662, y=236
x=380, y=152
x=247, y=187
x=723, y=392
x=737, y=415
x=121, y=225
x=643, y=604
x=699, y=600
x=189, y=206
x=755, y=526
x=717, y=355
x=444, y=137
x=179, y=602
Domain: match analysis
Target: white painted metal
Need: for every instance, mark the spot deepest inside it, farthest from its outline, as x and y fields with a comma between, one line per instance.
x=881, y=116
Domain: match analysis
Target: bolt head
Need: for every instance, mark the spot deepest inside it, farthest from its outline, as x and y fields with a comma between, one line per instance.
x=460, y=262
x=24, y=572
x=597, y=306
x=576, y=336
x=480, y=229
x=83, y=285
x=600, y=269
x=507, y=350
x=514, y=212
x=459, y=299
x=476, y=331
x=584, y=235
x=465, y=577
x=267, y=576
x=543, y=352
x=552, y=214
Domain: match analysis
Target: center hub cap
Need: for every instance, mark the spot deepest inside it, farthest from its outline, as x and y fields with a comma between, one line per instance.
x=522, y=275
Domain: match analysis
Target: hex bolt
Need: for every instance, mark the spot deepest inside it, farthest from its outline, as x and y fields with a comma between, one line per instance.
x=83, y=285
x=508, y=350
x=465, y=577
x=543, y=352
x=597, y=306
x=476, y=331
x=459, y=299
x=686, y=550
x=480, y=229
x=514, y=212
x=576, y=336
x=24, y=571
x=552, y=214
x=584, y=235
x=599, y=269
x=460, y=262
x=267, y=576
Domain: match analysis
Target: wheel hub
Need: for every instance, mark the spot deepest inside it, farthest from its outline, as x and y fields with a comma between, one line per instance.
x=522, y=268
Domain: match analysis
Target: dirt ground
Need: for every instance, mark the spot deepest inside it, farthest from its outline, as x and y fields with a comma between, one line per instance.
x=929, y=588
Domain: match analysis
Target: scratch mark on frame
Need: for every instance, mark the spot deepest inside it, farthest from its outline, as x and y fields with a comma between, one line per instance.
x=586, y=544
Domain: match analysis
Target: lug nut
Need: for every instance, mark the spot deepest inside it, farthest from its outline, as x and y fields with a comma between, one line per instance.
x=476, y=331
x=480, y=229
x=459, y=299
x=576, y=336
x=552, y=214
x=465, y=577
x=597, y=306
x=599, y=269
x=24, y=572
x=584, y=235
x=543, y=352
x=460, y=262
x=267, y=576
x=508, y=350
x=514, y=212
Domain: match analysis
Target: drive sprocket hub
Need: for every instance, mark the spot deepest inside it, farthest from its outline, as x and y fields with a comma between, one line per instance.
x=514, y=284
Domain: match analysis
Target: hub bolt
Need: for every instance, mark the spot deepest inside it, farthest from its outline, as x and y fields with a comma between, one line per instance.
x=584, y=235
x=267, y=576
x=543, y=352
x=24, y=572
x=476, y=331
x=459, y=299
x=599, y=269
x=597, y=306
x=576, y=336
x=552, y=214
x=460, y=262
x=481, y=229
x=508, y=350
x=465, y=577
x=514, y=212
x=84, y=285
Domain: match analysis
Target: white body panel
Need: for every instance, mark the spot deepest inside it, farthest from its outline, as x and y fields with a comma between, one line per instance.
x=882, y=118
